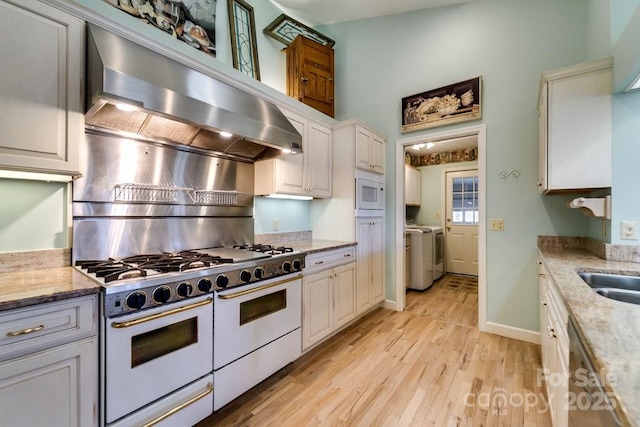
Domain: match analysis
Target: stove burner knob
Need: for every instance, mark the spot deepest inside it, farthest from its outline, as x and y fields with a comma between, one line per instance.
x=245, y=276
x=286, y=266
x=222, y=281
x=297, y=265
x=184, y=289
x=204, y=285
x=259, y=273
x=136, y=300
x=161, y=294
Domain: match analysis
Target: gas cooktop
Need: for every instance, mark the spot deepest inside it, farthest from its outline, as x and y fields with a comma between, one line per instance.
x=144, y=281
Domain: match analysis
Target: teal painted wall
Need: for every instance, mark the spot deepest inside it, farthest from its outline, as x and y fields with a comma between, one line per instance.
x=292, y=215
x=509, y=44
x=33, y=215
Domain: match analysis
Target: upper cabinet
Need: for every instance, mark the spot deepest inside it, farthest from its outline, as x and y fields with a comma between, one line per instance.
x=369, y=150
x=41, y=87
x=304, y=174
x=412, y=186
x=310, y=74
x=574, y=107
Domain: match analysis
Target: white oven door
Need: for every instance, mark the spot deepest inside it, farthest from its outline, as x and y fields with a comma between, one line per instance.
x=252, y=316
x=151, y=353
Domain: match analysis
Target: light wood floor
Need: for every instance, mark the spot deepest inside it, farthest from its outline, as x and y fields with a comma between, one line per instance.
x=426, y=366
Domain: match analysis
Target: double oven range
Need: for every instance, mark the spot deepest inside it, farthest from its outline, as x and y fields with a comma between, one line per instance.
x=191, y=316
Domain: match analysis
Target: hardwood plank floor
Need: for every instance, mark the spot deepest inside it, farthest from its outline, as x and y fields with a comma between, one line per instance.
x=426, y=366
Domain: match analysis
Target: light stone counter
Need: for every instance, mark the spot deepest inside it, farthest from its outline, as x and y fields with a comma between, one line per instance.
x=609, y=329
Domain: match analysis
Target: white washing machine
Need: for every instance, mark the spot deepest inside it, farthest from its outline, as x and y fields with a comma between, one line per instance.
x=438, y=251
x=421, y=252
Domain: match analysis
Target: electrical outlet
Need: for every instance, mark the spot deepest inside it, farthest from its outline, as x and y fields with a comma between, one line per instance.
x=276, y=224
x=496, y=224
x=629, y=230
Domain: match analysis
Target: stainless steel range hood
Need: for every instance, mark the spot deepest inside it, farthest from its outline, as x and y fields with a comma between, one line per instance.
x=174, y=103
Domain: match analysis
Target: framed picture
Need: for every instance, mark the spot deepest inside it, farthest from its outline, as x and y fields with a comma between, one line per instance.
x=455, y=103
x=192, y=21
x=244, y=49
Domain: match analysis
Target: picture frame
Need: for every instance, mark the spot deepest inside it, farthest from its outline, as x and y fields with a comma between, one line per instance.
x=242, y=28
x=455, y=103
x=191, y=21
x=285, y=29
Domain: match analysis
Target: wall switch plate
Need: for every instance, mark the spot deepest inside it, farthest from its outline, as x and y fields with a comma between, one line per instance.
x=629, y=230
x=496, y=224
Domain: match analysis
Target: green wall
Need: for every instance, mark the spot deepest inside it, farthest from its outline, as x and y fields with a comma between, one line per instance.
x=509, y=44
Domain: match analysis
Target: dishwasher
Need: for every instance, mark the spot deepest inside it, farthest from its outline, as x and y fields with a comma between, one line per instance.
x=589, y=404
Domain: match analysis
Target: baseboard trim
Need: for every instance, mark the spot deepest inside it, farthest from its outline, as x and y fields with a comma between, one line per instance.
x=391, y=305
x=515, y=333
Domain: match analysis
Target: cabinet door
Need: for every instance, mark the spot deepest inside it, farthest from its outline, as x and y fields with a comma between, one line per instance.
x=56, y=387
x=542, y=142
x=579, y=131
x=376, y=149
x=41, y=79
x=363, y=265
x=317, y=304
x=318, y=157
x=344, y=295
x=290, y=174
x=363, y=154
x=377, y=260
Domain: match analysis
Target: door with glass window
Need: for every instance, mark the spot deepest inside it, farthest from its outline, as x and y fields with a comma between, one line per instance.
x=461, y=231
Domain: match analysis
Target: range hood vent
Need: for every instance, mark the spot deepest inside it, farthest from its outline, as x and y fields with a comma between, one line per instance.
x=170, y=102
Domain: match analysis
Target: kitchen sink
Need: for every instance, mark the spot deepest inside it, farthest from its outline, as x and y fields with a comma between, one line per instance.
x=614, y=286
x=619, y=294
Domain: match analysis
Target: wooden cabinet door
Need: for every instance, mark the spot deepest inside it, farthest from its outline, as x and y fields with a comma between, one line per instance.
x=290, y=169
x=319, y=162
x=56, y=387
x=317, y=303
x=363, y=154
x=377, y=260
x=376, y=149
x=344, y=295
x=41, y=80
x=363, y=265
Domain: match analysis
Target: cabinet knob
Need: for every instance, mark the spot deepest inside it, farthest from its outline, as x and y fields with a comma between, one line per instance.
x=331, y=98
x=330, y=79
x=304, y=79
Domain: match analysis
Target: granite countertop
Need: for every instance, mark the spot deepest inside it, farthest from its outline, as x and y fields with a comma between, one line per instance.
x=313, y=246
x=609, y=329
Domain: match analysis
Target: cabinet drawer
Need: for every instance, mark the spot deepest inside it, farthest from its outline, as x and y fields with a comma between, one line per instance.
x=328, y=259
x=30, y=329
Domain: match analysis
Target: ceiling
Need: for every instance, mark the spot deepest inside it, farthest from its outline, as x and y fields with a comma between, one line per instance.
x=446, y=145
x=317, y=12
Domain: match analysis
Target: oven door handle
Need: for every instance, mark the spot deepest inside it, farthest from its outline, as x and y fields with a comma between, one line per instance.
x=178, y=408
x=120, y=325
x=259, y=288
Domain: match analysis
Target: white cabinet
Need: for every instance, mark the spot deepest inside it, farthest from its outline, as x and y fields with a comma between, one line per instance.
x=555, y=348
x=574, y=128
x=305, y=174
x=370, y=263
x=412, y=186
x=369, y=150
x=41, y=87
x=54, y=380
x=328, y=295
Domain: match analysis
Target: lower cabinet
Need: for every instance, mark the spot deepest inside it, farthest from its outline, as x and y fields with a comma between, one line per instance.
x=555, y=348
x=49, y=364
x=370, y=264
x=328, y=294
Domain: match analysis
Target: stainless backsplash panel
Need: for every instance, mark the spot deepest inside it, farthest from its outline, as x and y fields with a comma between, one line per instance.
x=101, y=238
x=107, y=160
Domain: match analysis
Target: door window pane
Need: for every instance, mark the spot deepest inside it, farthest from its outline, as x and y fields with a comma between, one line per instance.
x=465, y=201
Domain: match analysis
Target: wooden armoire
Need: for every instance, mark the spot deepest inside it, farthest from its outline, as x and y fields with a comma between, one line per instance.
x=310, y=74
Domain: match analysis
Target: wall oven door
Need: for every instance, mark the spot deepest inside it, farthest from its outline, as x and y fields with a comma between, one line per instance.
x=152, y=353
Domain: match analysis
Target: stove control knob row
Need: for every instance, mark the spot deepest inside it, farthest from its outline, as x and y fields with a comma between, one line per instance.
x=297, y=265
x=245, y=276
x=162, y=294
x=136, y=300
x=222, y=281
x=258, y=273
x=184, y=289
x=204, y=285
